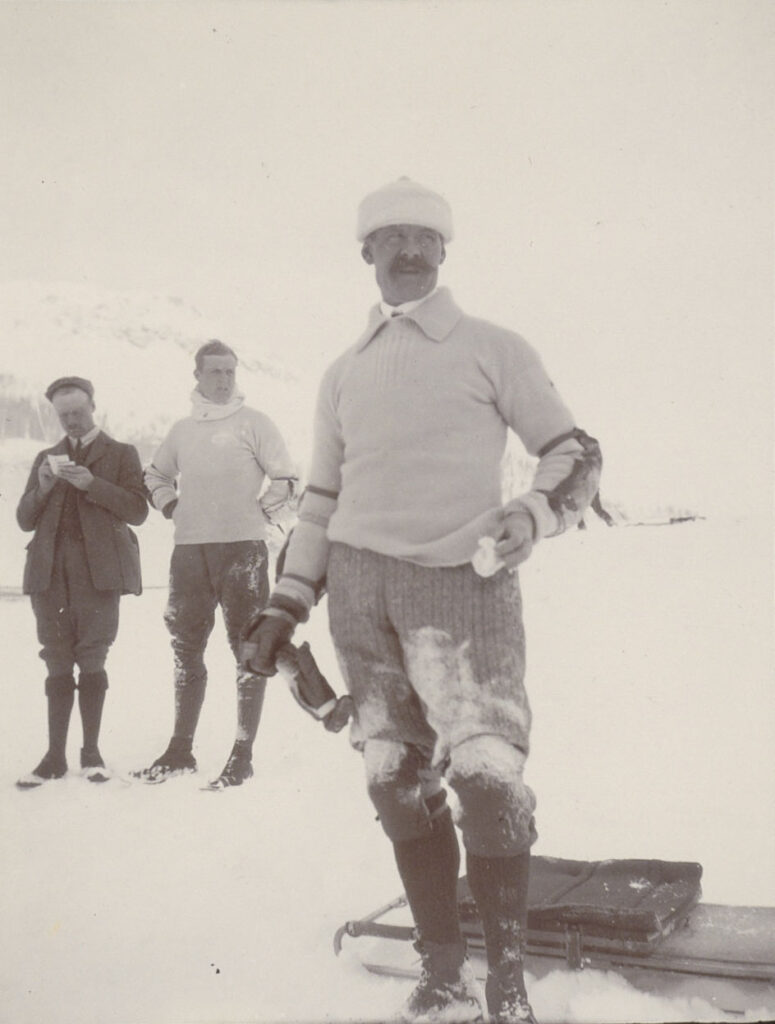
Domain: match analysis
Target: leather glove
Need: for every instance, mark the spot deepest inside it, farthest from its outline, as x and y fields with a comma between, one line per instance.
x=337, y=719
x=169, y=508
x=267, y=632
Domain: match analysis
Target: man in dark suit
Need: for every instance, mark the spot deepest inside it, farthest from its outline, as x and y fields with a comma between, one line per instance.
x=79, y=499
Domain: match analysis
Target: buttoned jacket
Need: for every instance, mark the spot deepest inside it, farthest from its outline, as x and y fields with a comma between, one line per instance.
x=114, y=499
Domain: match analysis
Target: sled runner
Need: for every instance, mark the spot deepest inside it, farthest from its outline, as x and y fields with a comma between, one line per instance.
x=639, y=918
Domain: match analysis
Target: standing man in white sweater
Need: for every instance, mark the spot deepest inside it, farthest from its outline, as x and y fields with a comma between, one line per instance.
x=410, y=431
x=209, y=477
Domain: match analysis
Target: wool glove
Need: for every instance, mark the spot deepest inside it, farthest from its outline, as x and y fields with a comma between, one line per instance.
x=268, y=631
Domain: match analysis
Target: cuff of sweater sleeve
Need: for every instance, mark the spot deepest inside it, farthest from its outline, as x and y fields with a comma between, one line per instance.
x=162, y=496
x=544, y=520
x=287, y=606
x=294, y=591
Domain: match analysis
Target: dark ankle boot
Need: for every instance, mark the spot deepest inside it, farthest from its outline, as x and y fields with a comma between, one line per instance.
x=238, y=768
x=177, y=759
x=49, y=768
x=447, y=989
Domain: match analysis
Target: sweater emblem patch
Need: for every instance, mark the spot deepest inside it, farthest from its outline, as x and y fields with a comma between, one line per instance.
x=224, y=439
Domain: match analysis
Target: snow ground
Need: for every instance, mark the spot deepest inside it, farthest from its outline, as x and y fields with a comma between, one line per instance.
x=650, y=673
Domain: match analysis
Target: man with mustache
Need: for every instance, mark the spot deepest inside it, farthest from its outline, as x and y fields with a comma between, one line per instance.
x=80, y=499
x=405, y=481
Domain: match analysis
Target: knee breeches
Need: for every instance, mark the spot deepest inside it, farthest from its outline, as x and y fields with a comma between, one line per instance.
x=76, y=623
x=494, y=806
x=202, y=576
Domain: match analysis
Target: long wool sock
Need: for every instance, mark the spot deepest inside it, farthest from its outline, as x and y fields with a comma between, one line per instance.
x=499, y=885
x=429, y=867
x=60, y=694
x=92, y=687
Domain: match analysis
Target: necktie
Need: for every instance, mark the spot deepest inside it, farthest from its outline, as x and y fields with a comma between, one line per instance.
x=78, y=453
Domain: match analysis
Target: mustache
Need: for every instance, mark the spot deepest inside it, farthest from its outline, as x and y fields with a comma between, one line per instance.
x=403, y=263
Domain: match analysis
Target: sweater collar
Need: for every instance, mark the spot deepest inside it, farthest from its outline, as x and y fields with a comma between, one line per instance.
x=203, y=409
x=436, y=317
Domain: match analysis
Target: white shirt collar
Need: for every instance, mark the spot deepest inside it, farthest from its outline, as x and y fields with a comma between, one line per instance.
x=404, y=307
x=87, y=438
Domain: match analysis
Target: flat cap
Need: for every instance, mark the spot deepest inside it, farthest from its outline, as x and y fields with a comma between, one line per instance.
x=70, y=382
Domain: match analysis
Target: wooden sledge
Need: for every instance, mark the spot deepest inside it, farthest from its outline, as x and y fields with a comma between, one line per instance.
x=639, y=918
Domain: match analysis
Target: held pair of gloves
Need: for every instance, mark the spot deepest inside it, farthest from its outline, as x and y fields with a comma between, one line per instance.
x=266, y=646
x=268, y=632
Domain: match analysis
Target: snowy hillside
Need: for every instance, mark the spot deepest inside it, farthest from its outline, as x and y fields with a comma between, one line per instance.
x=136, y=348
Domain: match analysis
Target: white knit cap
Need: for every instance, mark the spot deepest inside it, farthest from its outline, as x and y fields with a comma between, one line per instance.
x=404, y=202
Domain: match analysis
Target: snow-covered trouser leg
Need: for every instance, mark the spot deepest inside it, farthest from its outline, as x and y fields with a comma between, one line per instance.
x=431, y=656
x=406, y=793
x=243, y=591
x=495, y=806
x=189, y=617
x=234, y=575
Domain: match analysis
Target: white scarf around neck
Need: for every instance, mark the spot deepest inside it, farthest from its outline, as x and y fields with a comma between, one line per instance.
x=203, y=409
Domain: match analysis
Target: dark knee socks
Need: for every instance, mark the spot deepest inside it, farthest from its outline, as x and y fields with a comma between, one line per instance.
x=429, y=867
x=92, y=687
x=499, y=886
x=60, y=694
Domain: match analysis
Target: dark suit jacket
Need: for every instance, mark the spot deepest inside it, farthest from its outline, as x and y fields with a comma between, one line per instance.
x=115, y=498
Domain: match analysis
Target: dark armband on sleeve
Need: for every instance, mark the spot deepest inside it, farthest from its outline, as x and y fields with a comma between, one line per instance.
x=571, y=496
x=318, y=586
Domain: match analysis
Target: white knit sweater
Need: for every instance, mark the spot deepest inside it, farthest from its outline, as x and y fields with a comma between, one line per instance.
x=410, y=430
x=215, y=463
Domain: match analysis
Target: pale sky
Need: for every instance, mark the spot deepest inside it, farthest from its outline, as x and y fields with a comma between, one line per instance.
x=609, y=167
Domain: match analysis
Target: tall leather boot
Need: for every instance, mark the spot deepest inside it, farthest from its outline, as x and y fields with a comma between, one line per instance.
x=499, y=886
x=178, y=759
x=250, y=702
x=251, y=690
